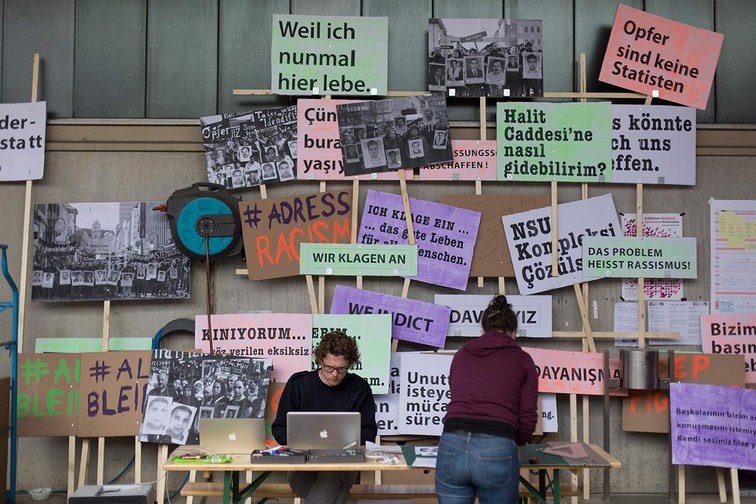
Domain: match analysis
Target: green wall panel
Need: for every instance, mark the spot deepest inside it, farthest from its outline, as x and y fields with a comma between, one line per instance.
x=736, y=72
x=109, y=73
x=45, y=27
x=182, y=58
x=326, y=7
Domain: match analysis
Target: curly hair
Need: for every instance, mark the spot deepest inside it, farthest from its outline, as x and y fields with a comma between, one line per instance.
x=338, y=343
x=499, y=316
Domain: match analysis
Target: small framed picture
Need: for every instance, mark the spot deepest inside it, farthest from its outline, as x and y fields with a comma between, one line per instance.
x=439, y=139
x=352, y=153
x=394, y=158
x=416, y=149
x=231, y=411
x=285, y=170
x=269, y=171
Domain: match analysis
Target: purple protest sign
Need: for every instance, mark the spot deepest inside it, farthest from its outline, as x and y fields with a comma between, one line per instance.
x=713, y=425
x=411, y=320
x=445, y=235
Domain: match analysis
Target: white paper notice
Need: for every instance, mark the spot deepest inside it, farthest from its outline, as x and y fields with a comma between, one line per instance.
x=733, y=256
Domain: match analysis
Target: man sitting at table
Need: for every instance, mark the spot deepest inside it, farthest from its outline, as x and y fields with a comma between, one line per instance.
x=328, y=388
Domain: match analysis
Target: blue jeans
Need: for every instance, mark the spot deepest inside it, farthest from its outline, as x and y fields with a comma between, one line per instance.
x=470, y=464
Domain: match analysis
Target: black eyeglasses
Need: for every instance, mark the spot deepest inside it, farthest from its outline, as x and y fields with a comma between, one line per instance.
x=331, y=369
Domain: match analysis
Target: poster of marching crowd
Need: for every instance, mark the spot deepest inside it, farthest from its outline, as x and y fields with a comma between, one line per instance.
x=99, y=251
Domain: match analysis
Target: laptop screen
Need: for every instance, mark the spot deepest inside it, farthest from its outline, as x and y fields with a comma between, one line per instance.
x=231, y=435
x=306, y=430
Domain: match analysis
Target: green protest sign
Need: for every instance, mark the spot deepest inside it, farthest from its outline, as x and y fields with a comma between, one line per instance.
x=563, y=142
x=639, y=257
x=357, y=259
x=83, y=345
x=329, y=55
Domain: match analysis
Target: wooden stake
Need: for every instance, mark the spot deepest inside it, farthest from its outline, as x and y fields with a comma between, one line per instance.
x=137, y=460
x=84, y=462
x=681, y=484
x=355, y=205
x=321, y=278
x=584, y=317
x=100, y=460
x=721, y=485
x=554, y=226
x=735, y=484
x=641, y=286
x=162, y=456
x=479, y=183
x=573, y=436
x=408, y=221
x=70, y=489
x=311, y=292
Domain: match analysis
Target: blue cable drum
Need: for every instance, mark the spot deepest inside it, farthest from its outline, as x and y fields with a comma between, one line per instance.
x=187, y=226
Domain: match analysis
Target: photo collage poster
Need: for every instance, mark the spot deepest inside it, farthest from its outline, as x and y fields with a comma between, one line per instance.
x=394, y=133
x=246, y=149
x=99, y=251
x=485, y=57
x=184, y=387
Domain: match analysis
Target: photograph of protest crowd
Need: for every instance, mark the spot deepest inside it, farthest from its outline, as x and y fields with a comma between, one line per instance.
x=246, y=149
x=485, y=57
x=98, y=251
x=393, y=133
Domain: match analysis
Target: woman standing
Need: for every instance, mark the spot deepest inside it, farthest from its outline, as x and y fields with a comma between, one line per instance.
x=494, y=389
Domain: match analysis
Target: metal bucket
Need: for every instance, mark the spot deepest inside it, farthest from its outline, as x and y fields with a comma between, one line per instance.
x=639, y=369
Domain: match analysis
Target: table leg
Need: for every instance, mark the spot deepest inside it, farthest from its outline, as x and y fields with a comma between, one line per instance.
x=557, y=496
x=227, y=487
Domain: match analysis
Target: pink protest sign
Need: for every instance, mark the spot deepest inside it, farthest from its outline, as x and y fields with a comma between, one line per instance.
x=731, y=333
x=319, y=146
x=648, y=53
x=284, y=338
x=563, y=372
x=473, y=160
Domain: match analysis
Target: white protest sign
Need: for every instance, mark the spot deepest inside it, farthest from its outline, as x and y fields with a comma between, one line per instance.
x=22, y=140
x=387, y=405
x=533, y=314
x=424, y=393
x=549, y=418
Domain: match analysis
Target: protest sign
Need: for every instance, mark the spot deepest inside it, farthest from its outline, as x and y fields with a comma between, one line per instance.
x=731, y=333
x=648, y=410
x=273, y=229
x=387, y=404
x=653, y=145
x=639, y=257
x=549, y=420
x=473, y=160
x=284, y=338
x=22, y=140
x=424, y=393
x=563, y=372
x=81, y=345
x=533, y=314
x=412, y=320
x=329, y=55
x=529, y=238
x=394, y=133
x=563, y=142
x=48, y=394
x=113, y=389
x=659, y=57
x=246, y=149
x=445, y=235
x=713, y=425
x=491, y=257
x=357, y=260
x=373, y=336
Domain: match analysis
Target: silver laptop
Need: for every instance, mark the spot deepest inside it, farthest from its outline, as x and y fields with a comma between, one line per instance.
x=306, y=430
x=231, y=435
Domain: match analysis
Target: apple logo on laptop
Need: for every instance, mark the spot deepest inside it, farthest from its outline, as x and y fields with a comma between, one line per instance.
x=324, y=433
x=232, y=436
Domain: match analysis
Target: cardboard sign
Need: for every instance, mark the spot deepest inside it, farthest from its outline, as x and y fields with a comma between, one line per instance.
x=648, y=410
x=113, y=389
x=564, y=142
x=373, y=336
x=273, y=229
x=713, y=425
x=355, y=260
x=563, y=372
x=412, y=320
x=22, y=141
x=529, y=238
x=473, y=160
x=653, y=145
x=731, y=333
x=659, y=57
x=491, y=256
x=639, y=257
x=533, y=314
x=445, y=235
x=424, y=393
x=329, y=55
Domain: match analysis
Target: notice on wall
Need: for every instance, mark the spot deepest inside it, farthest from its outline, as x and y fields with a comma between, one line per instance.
x=682, y=317
x=529, y=238
x=659, y=57
x=273, y=228
x=326, y=55
x=733, y=256
x=473, y=160
x=491, y=257
x=424, y=393
x=653, y=145
x=639, y=257
x=445, y=235
x=357, y=259
x=731, y=333
x=533, y=314
x=564, y=372
x=22, y=141
x=373, y=336
x=411, y=320
x=284, y=338
x=563, y=142
x=713, y=426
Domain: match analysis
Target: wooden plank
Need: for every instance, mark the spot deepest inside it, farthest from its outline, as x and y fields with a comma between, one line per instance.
x=736, y=74
x=47, y=28
x=104, y=85
x=182, y=58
